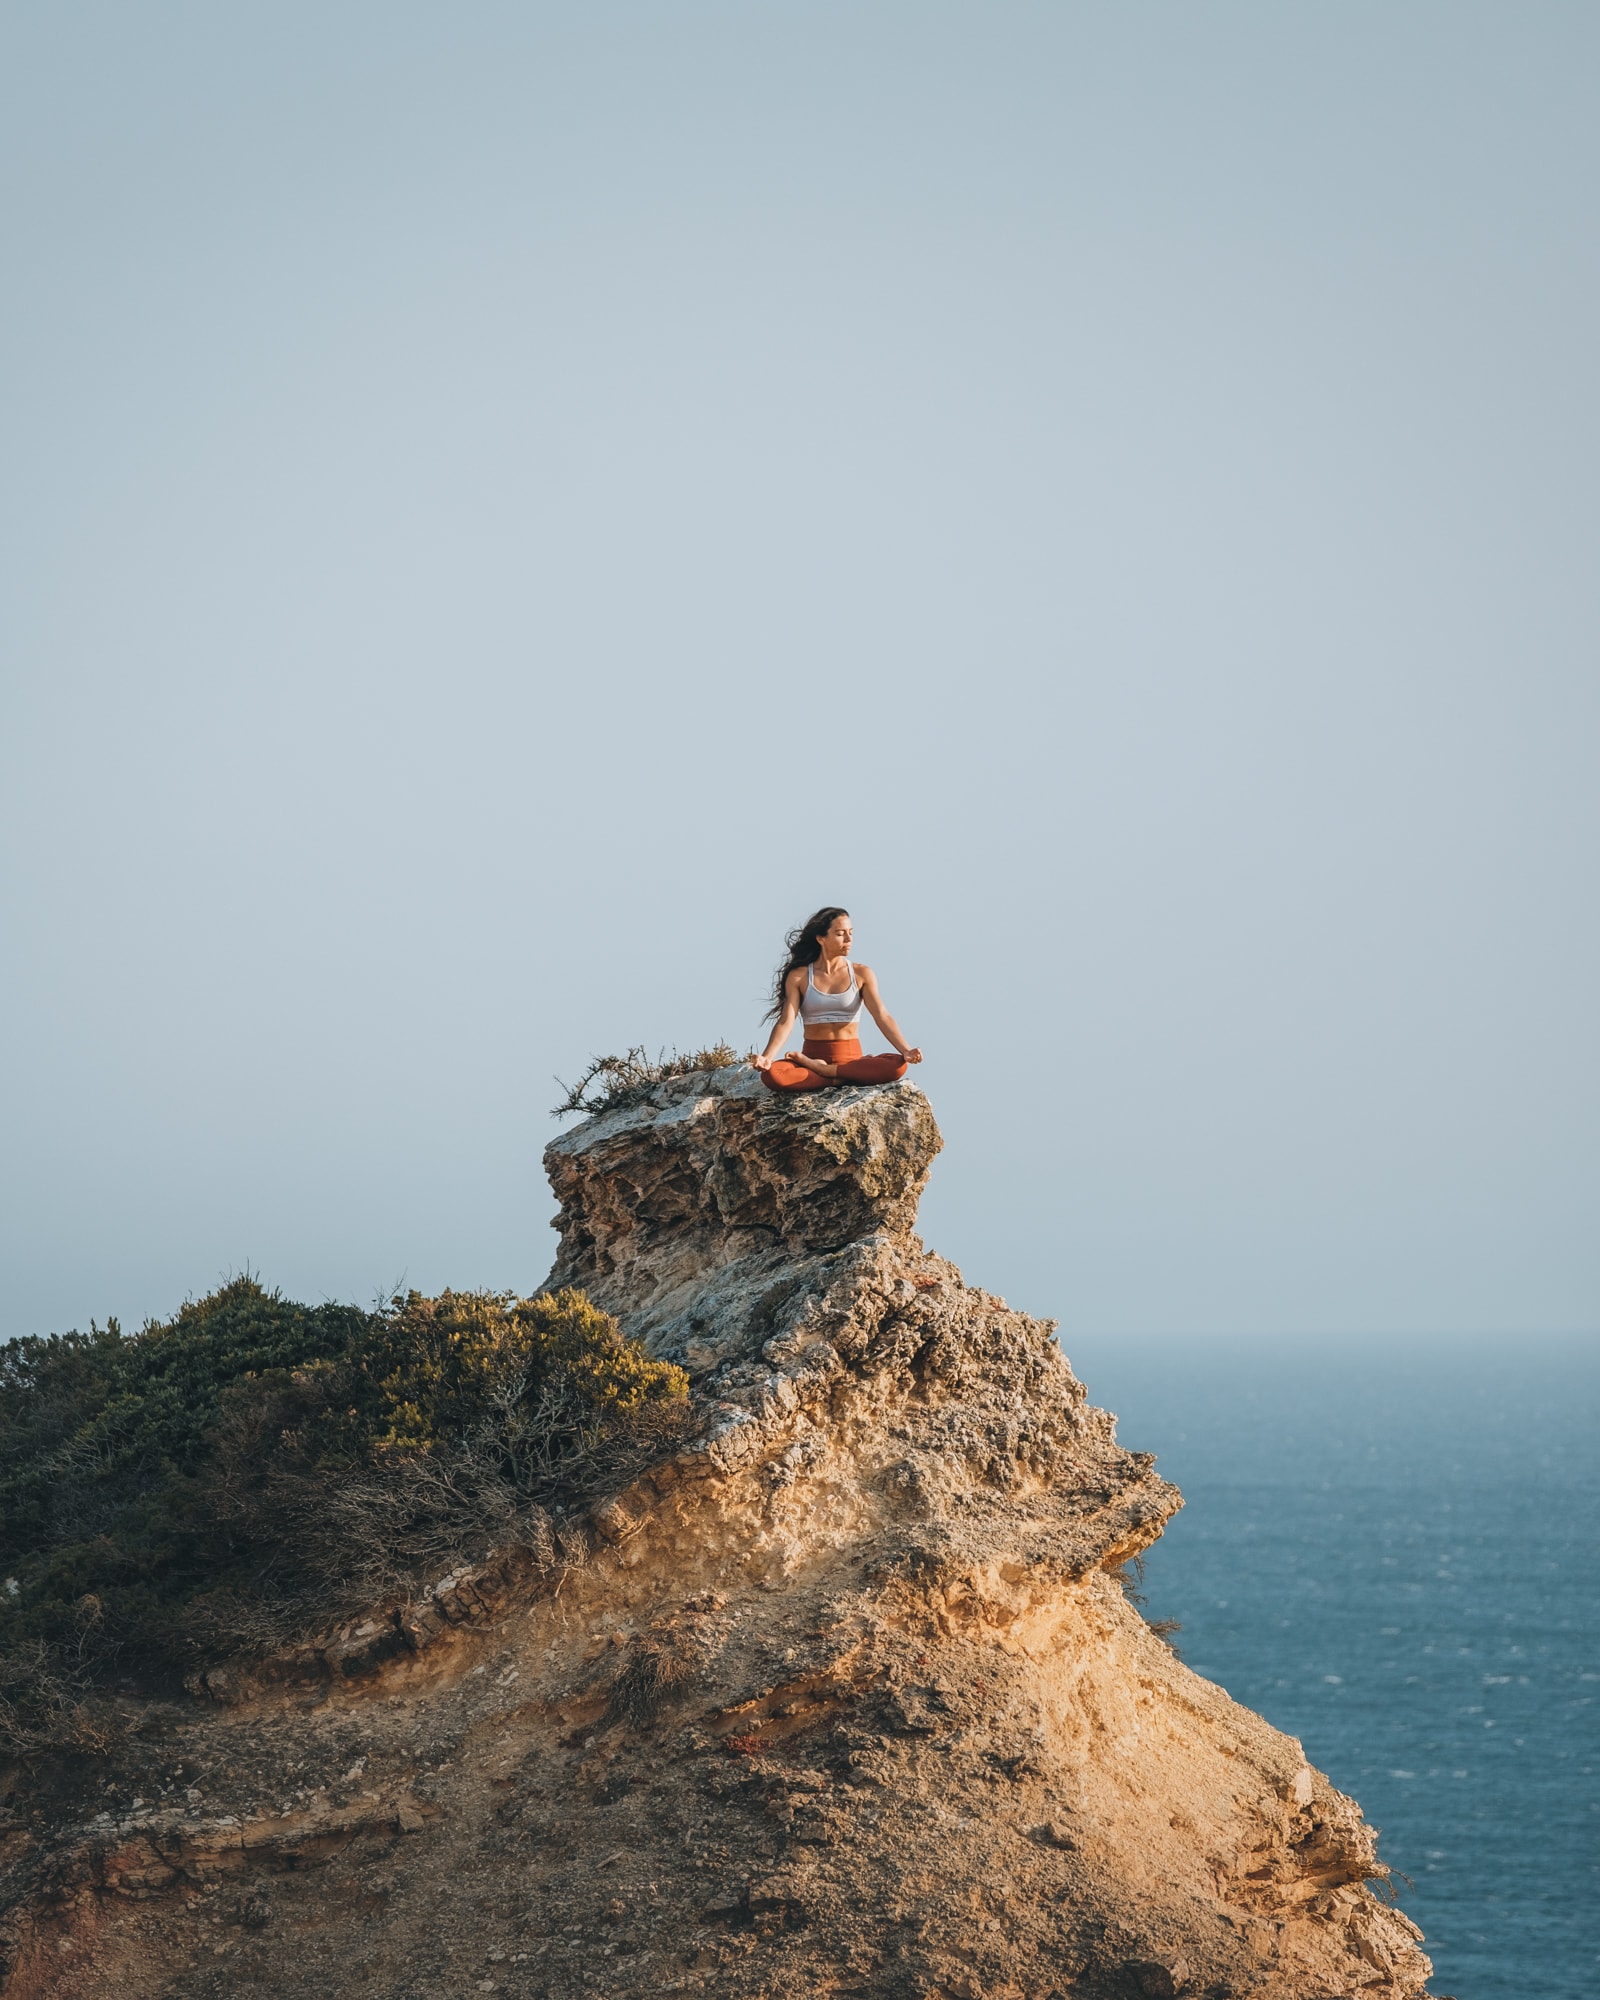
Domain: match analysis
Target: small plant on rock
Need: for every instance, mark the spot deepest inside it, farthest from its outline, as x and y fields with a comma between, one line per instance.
x=612, y=1083
x=1130, y=1575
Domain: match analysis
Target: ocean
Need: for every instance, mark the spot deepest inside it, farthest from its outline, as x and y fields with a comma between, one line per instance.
x=1391, y=1549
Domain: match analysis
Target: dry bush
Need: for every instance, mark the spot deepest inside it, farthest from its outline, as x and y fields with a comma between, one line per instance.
x=48, y=1696
x=611, y=1083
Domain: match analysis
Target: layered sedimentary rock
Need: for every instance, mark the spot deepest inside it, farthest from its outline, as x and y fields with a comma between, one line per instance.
x=842, y=1697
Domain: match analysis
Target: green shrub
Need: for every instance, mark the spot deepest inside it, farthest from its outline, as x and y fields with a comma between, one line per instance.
x=87, y=1422
x=254, y=1467
x=448, y=1363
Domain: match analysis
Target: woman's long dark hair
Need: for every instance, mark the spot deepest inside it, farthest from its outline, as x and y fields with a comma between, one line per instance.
x=804, y=948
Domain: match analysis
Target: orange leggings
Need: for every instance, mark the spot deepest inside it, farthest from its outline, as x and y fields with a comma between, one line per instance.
x=852, y=1065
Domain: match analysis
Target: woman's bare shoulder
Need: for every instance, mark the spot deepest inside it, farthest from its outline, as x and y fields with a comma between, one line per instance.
x=863, y=972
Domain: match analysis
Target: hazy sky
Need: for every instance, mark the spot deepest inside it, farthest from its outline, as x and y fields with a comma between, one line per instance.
x=507, y=507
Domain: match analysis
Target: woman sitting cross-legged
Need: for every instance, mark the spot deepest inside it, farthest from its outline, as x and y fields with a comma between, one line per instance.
x=821, y=987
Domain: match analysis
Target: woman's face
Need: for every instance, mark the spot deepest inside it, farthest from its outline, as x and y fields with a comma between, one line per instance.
x=835, y=940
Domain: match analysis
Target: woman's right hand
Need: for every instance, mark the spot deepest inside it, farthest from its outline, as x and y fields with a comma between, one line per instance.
x=761, y=1062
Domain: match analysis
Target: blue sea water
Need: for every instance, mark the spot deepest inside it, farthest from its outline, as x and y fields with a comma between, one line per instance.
x=1389, y=1549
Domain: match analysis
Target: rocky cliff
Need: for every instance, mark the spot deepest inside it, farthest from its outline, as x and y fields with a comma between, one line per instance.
x=842, y=1697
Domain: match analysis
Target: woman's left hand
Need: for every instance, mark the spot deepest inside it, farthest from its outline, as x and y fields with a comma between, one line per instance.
x=913, y=1055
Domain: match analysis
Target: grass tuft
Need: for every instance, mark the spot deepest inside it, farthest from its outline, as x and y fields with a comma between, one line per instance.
x=648, y=1678
x=1130, y=1575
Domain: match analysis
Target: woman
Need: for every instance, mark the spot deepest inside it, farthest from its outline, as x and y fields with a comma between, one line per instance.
x=820, y=985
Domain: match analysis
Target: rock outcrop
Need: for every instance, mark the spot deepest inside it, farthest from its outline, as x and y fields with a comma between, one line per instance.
x=843, y=1697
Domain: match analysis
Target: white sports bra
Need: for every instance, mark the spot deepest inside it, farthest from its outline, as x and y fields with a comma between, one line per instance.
x=830, y=1009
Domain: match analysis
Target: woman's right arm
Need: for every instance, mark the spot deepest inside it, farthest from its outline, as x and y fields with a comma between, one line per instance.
x=793, y=987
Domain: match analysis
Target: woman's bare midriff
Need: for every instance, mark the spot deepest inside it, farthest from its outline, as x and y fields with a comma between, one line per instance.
x=833, y=1034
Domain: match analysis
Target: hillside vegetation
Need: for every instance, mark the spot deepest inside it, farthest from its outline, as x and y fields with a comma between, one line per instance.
x=226, y=1479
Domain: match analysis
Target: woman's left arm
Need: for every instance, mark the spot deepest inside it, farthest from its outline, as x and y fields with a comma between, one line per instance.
x=867, y=979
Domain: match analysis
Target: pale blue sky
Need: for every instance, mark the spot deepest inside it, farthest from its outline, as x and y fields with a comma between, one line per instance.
x=507, y=507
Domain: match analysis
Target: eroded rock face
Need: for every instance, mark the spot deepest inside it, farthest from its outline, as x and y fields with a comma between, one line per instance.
x=709, y=1156
x=699, y=1216
x=766, y=1244
x=840, y=1698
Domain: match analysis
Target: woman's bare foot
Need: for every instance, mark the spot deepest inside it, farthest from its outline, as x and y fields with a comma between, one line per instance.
x=811, y=1063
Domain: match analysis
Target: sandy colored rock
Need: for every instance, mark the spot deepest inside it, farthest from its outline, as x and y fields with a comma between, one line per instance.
x=843, y=1698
